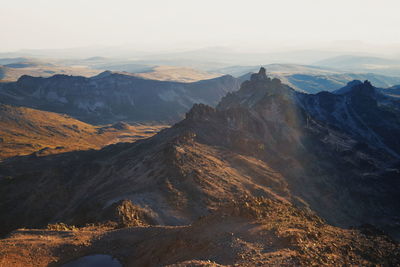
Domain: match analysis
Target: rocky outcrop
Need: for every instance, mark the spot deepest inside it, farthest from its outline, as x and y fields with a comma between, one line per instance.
x=125, y=214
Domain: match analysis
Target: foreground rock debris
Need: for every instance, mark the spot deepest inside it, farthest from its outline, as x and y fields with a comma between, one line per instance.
x=268, y=177
x=247, y=232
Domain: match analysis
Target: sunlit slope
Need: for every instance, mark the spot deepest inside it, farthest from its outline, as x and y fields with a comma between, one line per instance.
x=25, y=130
x=13, y=69
x=178, y=74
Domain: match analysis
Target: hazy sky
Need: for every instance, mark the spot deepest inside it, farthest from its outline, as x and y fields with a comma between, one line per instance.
x=157, y=24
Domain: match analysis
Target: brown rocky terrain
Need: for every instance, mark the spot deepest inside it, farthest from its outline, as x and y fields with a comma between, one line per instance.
x=24, y=131
x=269, y=177
x=247, y=232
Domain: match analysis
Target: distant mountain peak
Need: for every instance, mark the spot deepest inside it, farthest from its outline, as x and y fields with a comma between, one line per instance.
x=354, y=83
x=356, y=87
x=24, y=78
x=365, y=88
x=104, y=74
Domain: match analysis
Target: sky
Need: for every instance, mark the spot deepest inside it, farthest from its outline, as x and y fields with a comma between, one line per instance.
x=186, y=24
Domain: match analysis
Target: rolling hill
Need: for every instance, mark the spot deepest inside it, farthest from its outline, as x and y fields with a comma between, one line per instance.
x=13, y=68
x=179, y=74
x=377, y=65
x=25, y=131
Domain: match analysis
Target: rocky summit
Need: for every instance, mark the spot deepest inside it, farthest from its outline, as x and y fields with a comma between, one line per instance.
x=268, y=177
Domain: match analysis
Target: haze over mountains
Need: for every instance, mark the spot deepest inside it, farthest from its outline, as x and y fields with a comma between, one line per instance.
x=13, y=68
x=317, y=76
x=110, y=97
x=199, y=133
x=313, y=79
x=154, y=94
x=387, y=66
x=224, y=171
x=200, y=158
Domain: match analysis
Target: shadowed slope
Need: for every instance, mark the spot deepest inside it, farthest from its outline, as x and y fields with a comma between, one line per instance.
x=110, y=97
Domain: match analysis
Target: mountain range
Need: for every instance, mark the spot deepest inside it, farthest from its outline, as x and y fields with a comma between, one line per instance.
x=372, y=64
x=142, y=97
x=269, y=176
x=110, y=97
x=11, y=69
x=312, y=79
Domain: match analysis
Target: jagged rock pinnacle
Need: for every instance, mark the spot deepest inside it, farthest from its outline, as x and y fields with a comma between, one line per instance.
x=260, y=76
x=262, y=71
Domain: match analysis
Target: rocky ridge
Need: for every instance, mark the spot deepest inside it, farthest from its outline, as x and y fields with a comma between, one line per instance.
x=268, y=161
x=110, y=97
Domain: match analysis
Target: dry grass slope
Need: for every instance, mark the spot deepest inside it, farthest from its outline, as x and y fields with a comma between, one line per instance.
x=38, y=70
x=24, y=131
x=178, y=74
